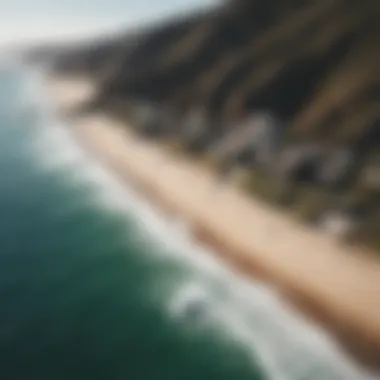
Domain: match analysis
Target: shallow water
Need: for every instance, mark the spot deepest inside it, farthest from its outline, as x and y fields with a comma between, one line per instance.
x=96, y=284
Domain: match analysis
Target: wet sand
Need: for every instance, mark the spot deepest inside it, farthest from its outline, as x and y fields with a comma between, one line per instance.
x=332, y=282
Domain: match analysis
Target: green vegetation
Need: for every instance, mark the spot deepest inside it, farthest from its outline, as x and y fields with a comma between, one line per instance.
x=314, y=64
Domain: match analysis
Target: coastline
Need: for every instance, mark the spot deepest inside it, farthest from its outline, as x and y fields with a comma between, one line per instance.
x=332, y=283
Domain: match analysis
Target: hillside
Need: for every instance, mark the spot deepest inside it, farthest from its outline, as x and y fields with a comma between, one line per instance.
x=289, y=90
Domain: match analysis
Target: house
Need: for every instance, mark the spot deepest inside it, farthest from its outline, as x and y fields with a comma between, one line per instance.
x=299, y=163
x=256, y=140
x=371, y=176
x=145, y=116
x=338, y=224
x=193, y=124
x=336, y=166
x=196, y=131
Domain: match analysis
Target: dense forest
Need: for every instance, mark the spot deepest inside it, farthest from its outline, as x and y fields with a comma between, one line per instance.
x=286, y=91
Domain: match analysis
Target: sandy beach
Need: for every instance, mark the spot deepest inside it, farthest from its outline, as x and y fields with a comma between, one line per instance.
x=337, y=284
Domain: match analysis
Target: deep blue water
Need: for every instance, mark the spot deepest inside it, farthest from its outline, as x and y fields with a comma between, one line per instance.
x=95, y=284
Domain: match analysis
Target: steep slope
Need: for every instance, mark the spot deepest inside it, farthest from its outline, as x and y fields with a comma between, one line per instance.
x=303, y=75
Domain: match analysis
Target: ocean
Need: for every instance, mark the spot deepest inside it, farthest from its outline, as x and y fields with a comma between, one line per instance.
x=95, y=283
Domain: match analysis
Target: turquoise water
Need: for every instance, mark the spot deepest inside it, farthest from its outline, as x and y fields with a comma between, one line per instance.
x=96, y=284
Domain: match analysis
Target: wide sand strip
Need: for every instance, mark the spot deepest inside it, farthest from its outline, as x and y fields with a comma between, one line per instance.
x=313, y=268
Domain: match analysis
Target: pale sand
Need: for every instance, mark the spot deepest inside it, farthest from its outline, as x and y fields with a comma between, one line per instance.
x=338, y=282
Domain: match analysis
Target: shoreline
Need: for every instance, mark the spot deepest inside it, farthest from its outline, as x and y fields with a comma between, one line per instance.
x=331, y=283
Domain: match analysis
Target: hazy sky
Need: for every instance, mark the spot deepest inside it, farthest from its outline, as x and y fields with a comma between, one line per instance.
x=22, y=20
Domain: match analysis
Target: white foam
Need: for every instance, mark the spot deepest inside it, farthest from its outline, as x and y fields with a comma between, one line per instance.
x=285, y=343
x=288, y=346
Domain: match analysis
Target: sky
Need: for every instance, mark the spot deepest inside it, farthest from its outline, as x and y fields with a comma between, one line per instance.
x=38, y=20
